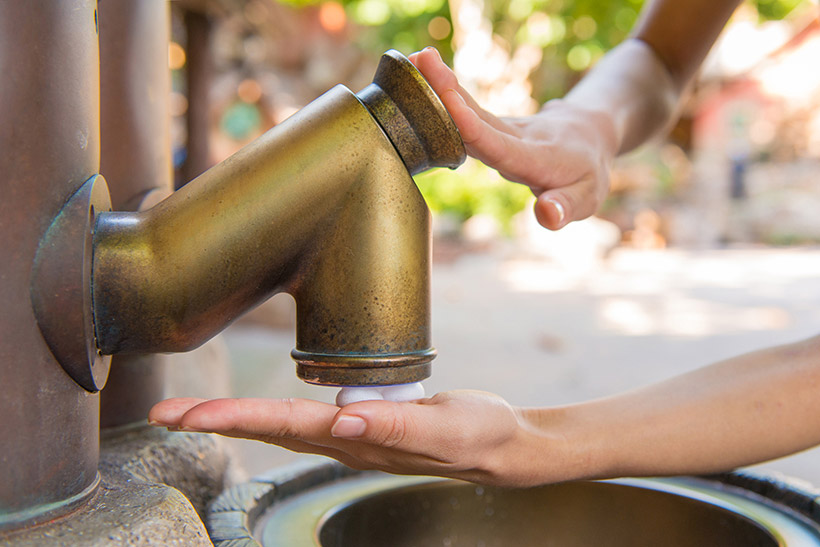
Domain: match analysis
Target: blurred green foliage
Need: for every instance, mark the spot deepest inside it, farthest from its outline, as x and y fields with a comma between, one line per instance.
x=473, y=189
x=572, y=34
x=240, y=120
x=775, y=9
x=398, y=24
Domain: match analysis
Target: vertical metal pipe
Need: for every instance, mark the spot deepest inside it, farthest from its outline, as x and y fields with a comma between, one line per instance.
x=49, y=135
x=134, y=87
x=198, y=77
x=136, y=161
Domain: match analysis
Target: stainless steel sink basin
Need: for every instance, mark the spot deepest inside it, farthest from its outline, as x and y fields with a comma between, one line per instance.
x=327, y=505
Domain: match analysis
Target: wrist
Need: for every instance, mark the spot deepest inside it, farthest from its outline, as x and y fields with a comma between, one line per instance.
x=552, y=445
x=636, y=90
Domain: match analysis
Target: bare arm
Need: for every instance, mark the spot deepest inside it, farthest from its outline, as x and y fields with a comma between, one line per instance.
x=744, y=410
x=564, y=152
x=640, y=82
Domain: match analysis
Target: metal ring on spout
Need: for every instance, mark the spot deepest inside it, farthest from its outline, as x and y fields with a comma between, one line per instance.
x=363, y=370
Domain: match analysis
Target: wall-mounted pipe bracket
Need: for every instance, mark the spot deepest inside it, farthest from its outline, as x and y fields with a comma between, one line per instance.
x=61, y=286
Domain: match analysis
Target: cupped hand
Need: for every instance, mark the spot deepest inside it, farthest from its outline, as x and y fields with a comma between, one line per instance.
x=469, y=435
x=563, y=153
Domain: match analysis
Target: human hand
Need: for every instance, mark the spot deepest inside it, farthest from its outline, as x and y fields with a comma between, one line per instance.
x=563, y=153
x=468, y=435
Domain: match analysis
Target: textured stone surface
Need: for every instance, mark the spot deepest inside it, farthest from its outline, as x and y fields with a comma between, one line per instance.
x=153, y=484
x=197, y=464
x=232, y=516
x=122, y=513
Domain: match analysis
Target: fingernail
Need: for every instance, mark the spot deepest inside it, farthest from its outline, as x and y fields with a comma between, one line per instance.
x=348, y=427
x=456, y=95
x=558, y=209
x=157, y=423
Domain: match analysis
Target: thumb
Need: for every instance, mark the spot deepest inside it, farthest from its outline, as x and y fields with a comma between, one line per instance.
x=550, y=212
x=382, y=423
x=556, y=208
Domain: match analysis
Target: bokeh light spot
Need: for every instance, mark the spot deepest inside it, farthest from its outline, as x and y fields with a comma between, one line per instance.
x=372, y=12
x=176, y=56
x=579, y=57
x=439, y=28
x=332, y=17
x=249, y=91
x=584, y=27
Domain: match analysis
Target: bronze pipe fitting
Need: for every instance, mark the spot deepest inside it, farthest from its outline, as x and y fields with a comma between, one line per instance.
x=322, y=206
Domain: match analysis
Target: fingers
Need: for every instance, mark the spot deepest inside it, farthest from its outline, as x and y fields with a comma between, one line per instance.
x=262, y=419
x=450, y=434
x=561, y=153
x=434, y=70
x=494, y=141
x=466, y=115
x=491, y=140
x=298, y=425
x=168, y=413
x=443, y=80
x=387, y=425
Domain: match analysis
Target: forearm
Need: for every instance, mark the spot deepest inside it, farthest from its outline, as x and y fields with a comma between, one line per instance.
x=635, y=89
x=748, y=409
x=641, y=82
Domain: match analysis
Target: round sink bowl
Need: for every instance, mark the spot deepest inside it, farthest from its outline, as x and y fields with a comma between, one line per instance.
x=328, y=505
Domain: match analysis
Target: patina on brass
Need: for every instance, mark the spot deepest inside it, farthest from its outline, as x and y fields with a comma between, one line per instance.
x=323, y=207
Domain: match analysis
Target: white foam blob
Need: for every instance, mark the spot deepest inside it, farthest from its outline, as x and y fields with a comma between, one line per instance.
x=349, y=395
x=403, y=392
x=397, y=393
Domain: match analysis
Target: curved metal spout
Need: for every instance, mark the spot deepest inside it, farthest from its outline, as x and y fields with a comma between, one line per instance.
x=323, y=207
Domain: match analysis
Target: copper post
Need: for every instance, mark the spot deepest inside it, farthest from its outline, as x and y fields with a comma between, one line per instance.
x=198, y=72
x=49, y=134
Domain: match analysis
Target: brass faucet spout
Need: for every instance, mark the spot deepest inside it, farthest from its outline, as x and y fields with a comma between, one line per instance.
x=323, y=207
